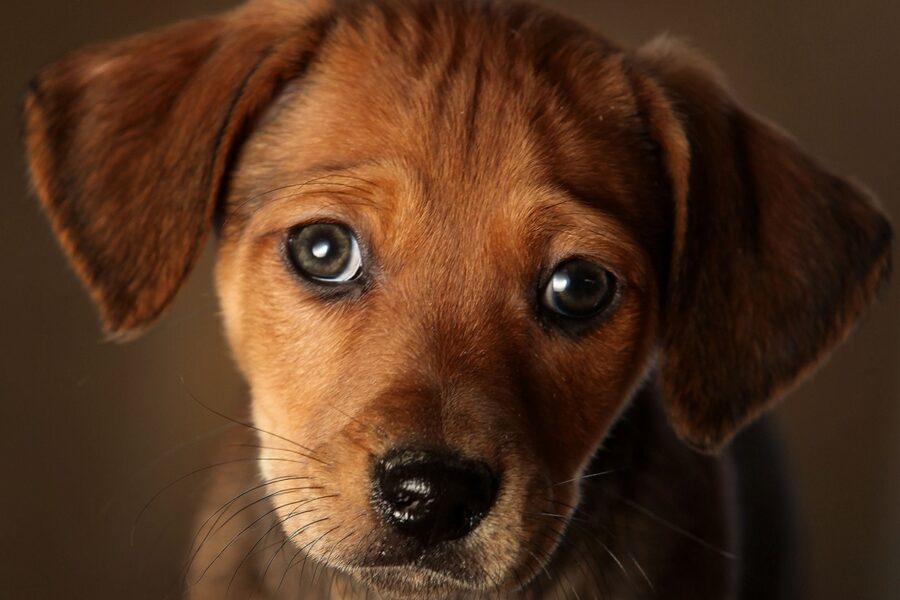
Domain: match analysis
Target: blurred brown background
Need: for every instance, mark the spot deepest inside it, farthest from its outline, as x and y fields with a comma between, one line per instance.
x=88, y=427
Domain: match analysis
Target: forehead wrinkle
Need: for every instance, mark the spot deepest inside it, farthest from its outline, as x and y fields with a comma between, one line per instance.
x=320, y=176
x=331, y=179
x=564, y=216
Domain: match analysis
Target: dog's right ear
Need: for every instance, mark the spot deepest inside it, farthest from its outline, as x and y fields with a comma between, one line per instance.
x=129, y=144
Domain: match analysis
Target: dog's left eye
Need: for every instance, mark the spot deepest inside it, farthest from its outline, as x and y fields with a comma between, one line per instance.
x=579, y=289
x=326, y=252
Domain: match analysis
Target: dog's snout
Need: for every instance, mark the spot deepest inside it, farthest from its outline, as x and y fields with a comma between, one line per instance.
x=432, y=496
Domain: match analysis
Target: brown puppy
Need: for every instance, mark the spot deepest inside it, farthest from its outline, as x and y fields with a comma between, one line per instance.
x=471, y=254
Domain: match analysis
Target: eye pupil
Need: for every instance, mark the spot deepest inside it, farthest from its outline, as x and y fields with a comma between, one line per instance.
x=579, y=289
x=325, y=252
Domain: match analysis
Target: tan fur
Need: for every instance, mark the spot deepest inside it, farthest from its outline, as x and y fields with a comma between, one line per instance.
x=471, y=146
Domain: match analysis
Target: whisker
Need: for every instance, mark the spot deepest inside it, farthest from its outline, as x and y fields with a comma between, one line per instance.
x=267, y=497
x=641, y=571
x=172, y=484
x=679, y=530
x=546, y=514
x=220, y=512
x=259, y=541
x=574, y=517
x=318, y=563
x=261, y=447
x=161, y=457
x=541, y=564
x=310, y=545
x=593, y=569
x=275, y=525
x=327, y=560
x=251, y=426
x=568, y=582
x=520, y=585
x=284, y=543
x=583, y=526
x=583, y=564
x=582, y=477
x=588, y=531
x=242, y=532
x=377, y=429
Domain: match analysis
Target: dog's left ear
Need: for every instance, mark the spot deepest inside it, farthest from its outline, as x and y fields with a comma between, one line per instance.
x=773, y=257
x=130, y=143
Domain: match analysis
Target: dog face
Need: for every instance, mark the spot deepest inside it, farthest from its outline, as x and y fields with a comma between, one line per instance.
x=452, y=216
x=453, y=240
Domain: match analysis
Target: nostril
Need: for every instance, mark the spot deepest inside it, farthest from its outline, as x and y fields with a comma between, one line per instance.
x=432, y=496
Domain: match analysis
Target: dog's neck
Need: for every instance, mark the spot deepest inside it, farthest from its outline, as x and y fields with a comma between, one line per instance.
x=652, y=517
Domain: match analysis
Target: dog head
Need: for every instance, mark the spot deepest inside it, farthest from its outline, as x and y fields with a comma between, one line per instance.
x=454, y=238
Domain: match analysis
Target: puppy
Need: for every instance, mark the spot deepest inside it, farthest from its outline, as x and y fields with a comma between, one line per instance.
x=502, y=290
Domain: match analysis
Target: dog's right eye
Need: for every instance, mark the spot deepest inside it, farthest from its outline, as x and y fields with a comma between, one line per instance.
x=325, y=252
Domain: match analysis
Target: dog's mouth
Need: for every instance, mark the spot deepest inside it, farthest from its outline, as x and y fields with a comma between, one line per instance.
x=437, y=524
x=398, y=562
x=411, y=582
x=446, y=571
x=484, y=562
x=430, y=507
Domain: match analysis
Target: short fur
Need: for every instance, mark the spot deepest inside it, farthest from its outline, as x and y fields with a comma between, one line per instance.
x=472, y=145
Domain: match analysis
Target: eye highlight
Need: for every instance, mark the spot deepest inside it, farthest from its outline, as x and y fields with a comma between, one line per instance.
x=325, y=252
x=579, y=289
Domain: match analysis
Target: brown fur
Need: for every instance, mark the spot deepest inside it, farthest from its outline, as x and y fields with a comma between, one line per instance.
x=472, y=146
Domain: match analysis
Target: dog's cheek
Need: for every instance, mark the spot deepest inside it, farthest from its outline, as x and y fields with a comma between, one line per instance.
x=290, y=349
x=588, y=383
x=228, y=287
x=287, y=344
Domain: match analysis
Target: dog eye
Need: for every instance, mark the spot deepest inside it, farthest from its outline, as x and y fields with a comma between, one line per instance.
x=579, y=289
x=325, y=252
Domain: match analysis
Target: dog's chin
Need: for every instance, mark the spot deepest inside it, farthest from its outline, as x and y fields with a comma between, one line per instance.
x=412, y=583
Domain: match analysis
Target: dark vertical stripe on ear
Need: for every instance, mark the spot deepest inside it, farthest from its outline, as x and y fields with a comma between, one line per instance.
x=220, y=136
x=229, y=113
x=321, y=28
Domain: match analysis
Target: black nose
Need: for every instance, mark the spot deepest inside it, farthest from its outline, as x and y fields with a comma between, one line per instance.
x=432, y=496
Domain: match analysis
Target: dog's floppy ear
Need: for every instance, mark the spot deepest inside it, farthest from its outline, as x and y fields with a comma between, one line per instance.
x=129, y=145
x=773, y=257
